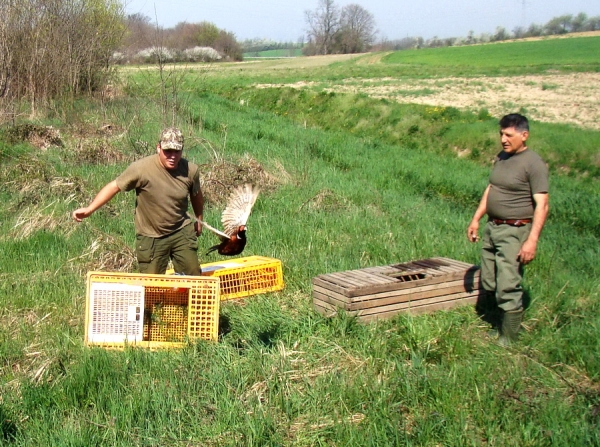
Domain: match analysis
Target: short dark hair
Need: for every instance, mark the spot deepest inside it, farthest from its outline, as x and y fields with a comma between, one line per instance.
x=516, y=120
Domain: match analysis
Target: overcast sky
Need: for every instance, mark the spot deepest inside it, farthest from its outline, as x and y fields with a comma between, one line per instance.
x=284, y=20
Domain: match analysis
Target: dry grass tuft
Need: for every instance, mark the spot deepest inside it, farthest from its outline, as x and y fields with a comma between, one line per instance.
x=303, y=425
x=34, y=363
x=32, y=220
x=326, y=200
x=107, y=254
x=97, y=151
x=221, y=177
x=41, y=137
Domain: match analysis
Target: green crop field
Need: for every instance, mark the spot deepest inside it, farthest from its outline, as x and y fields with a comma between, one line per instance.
x=295, y=52
x=348, y=180
x=563, y=53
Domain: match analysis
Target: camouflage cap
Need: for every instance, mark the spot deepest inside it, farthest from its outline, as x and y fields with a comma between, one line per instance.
x=171, y=138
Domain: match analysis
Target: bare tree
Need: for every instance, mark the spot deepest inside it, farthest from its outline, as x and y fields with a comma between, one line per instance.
x=323, y=23
x=139, y=34
x=357, y=29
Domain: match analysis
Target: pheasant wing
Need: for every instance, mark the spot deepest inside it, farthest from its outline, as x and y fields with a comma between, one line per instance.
x=238, y=207
x=214, y=230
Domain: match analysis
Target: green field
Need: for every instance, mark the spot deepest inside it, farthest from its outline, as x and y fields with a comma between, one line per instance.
x=348, y=181
x=274, y=53
x=563, y=53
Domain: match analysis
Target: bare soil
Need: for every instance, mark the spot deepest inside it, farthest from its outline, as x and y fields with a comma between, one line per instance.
x=560, y=98
x=556, y=98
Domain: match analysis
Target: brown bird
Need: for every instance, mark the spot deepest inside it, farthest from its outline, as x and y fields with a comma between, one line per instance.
x=234, y=218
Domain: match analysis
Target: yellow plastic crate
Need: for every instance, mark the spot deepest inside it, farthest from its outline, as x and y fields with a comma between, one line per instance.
x=241, y=277
x=151, y=311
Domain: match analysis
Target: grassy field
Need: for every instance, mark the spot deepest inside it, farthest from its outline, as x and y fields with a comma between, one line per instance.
x=348, y=181
x=295, y=52
x=565, y=54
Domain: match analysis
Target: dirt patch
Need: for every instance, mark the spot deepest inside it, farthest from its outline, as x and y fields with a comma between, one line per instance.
x=556, y=98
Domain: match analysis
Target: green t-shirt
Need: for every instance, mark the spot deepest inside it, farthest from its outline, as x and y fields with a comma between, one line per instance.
x=514, y=180
x=161, y=195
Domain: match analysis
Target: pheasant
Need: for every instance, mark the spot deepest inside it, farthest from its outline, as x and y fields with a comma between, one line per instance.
x=234, y=218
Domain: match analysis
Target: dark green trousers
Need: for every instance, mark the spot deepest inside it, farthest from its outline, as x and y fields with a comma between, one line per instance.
x=181, y=247
x=501, y=271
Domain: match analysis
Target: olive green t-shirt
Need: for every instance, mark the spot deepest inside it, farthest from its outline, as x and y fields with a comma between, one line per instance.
x=161, y=195
x=514, y=180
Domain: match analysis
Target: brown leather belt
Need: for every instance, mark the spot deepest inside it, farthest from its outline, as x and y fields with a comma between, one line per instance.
x=511, y=222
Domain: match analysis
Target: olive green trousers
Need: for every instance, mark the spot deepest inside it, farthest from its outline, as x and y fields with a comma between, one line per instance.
x=501, y=271
x=153, y=254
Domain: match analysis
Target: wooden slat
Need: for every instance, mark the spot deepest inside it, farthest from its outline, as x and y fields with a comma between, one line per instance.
x=330, y=298
x=410, y=304
x=330, y=310
x=429, y=305
x=319, y=281
x=372, y=278
x=432, y=266
x=374, y=304
x=374, y=301
x=459, y=264
x=399, y=285
x=413, y=297
x=344, y=278
x=445, y=305
x=396, y=295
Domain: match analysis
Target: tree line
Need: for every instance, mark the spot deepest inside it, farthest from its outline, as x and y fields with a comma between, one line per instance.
x=564, y=24
x=54, y=48
x=204, y=41
x=331, y=29
x=64, y=48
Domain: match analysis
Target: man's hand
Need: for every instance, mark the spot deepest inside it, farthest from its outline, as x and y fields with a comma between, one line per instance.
x=527, y=252
x=473, y=230
x=81, y=213
x=198, y=228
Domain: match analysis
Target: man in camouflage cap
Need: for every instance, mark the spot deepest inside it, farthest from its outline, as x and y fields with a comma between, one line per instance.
x=163, y=182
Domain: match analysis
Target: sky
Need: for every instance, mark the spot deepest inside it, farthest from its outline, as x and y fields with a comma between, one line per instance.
x=284, y=20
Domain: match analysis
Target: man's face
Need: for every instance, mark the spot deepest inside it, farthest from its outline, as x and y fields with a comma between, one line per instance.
x=169, y=158
x=513, y=141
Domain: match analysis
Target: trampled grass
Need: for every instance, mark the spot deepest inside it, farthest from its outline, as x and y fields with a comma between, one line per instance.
x=281, y=374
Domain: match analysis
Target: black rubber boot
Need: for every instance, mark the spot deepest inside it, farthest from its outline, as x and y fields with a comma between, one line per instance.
x=511, y=324
x=488, y=310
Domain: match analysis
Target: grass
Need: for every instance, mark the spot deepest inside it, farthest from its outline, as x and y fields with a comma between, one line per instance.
x=291, y=52
x=339, y=198
x=566, y=54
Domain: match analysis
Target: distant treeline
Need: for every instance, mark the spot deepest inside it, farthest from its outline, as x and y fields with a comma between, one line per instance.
x=256, y=46
x=564, y=24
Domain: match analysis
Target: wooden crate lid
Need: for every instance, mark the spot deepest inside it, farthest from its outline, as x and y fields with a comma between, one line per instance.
x=370, y=280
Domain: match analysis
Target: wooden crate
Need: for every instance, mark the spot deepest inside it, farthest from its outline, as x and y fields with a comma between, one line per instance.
x=381, y=292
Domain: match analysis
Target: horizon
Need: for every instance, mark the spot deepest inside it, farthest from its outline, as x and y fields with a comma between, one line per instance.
x=284, y=21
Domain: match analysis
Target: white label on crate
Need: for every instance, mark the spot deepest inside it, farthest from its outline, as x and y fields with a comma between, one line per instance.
x=116, y=313
x=134, y=313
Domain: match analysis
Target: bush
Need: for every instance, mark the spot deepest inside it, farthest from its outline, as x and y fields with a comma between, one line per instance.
x=49, y=48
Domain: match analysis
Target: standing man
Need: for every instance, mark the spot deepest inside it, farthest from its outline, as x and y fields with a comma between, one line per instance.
x=516, y=202
x=164, y=230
